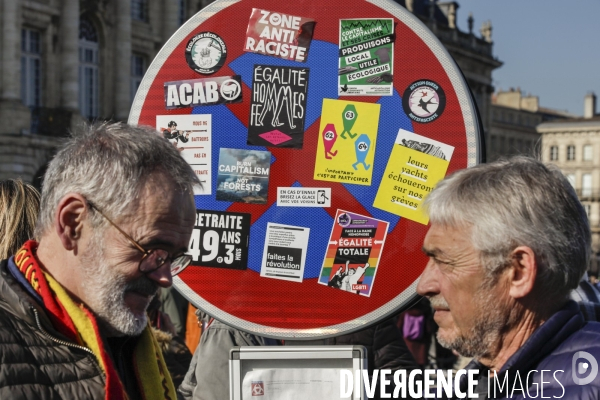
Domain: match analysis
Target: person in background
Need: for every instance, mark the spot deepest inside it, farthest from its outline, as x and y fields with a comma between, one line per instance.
x=117, y=213
x=208, y=375
x=507, y=244
x=19, y=207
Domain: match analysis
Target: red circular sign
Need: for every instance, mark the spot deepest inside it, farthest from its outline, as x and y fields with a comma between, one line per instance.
x=316, y=295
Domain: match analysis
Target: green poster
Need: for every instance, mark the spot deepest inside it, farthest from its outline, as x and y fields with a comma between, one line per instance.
x=366, y=65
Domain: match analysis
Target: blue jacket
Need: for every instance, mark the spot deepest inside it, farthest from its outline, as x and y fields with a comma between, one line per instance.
x=552, y=355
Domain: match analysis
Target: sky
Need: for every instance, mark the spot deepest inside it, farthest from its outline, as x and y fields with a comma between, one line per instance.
x=550, y=48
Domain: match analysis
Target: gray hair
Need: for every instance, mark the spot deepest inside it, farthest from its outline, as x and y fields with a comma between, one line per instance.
x=109, y=164
x=518, y=202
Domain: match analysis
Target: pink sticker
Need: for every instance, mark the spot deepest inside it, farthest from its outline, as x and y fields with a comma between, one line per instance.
x=276, y=137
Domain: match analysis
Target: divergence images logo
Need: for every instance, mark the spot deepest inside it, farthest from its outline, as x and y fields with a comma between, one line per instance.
x=205, y=53
x=424, y=101
x=580, y=368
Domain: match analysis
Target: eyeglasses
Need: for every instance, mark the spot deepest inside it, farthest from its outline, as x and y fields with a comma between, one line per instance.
x=152, y=259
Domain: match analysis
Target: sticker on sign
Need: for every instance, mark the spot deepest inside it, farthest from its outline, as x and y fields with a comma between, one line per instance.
x=303, y=197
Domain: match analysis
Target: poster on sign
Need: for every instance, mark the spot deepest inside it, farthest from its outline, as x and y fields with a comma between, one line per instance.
x=366, y=64
x=203, y=92
x=220, y=240
x=192, y=136
x=284, y=254
x=353, y=253
x=279, y=35
x=346, y=144
x=415, y=166
x=243, y=176
x=278, y=106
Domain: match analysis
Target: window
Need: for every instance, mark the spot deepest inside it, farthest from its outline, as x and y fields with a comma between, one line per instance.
x=139, y=10
x=88, y=70
x=571, y=179
x=587, y=152
x=138, y=69
x=182, y=13
x=31, y=68
x=570, y=153
x=586, y=185
x=553, y=153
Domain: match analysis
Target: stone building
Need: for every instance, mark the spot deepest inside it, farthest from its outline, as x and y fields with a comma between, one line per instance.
x=514, y=117
x=62, y=61
x=573, y=144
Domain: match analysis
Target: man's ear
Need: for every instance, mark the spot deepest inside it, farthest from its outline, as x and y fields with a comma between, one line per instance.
x=68, y=220
x=523, y=272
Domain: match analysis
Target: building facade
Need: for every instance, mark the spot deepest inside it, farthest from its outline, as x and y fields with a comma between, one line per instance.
x=573, y=145
x=514, y=117
x=64, y=61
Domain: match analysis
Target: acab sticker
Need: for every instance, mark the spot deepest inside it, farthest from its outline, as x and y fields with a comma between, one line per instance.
x=203, y=92
x=206, y=53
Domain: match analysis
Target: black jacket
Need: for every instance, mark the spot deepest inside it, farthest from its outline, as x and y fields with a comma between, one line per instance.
x=36, y=361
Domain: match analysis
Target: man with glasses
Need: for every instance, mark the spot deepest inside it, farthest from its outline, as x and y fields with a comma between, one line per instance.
x=116, y=218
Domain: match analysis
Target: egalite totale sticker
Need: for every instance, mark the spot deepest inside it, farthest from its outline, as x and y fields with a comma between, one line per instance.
x=243, y=175
x=203, y=92
x=353, y=253
x=278, y=107
x=279, y=35
x=347, y=137
x=366, y=58
x=416, y=165
x=424, y=101
x=192, y=136
x=220, y=239
x=206, y=53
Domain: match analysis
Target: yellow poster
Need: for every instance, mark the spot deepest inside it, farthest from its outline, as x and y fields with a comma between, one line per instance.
x=347, y=137
x=416, y=165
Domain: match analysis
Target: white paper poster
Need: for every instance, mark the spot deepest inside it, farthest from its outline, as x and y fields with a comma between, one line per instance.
x=292, y=384
x=192, y=136
x=284, y=254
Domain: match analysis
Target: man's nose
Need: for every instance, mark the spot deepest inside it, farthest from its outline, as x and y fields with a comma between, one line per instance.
x=162, y=276
x=428, y=285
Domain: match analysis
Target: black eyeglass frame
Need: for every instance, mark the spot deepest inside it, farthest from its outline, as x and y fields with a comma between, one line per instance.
x=178, y=262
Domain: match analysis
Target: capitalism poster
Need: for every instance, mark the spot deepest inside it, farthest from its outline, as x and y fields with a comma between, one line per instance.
x=243, y=176
x=353, y=252
x=366, y=58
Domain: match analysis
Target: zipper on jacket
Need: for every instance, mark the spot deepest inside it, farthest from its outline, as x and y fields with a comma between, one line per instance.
x=56, y=340
x=63, y=342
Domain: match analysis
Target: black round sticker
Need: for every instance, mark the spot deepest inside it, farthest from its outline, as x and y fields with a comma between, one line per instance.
x=424, y=101
x=205, y=53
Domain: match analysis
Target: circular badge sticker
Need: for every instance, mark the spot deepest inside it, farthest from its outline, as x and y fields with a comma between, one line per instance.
x=424, y=101
x=230, y=89
x=206, y=53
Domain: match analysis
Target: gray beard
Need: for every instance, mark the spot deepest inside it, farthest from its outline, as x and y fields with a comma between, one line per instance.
x=106, y=293
x=491, y=322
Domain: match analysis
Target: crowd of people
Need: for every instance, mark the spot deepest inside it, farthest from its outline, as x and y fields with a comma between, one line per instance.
x=86, y=309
